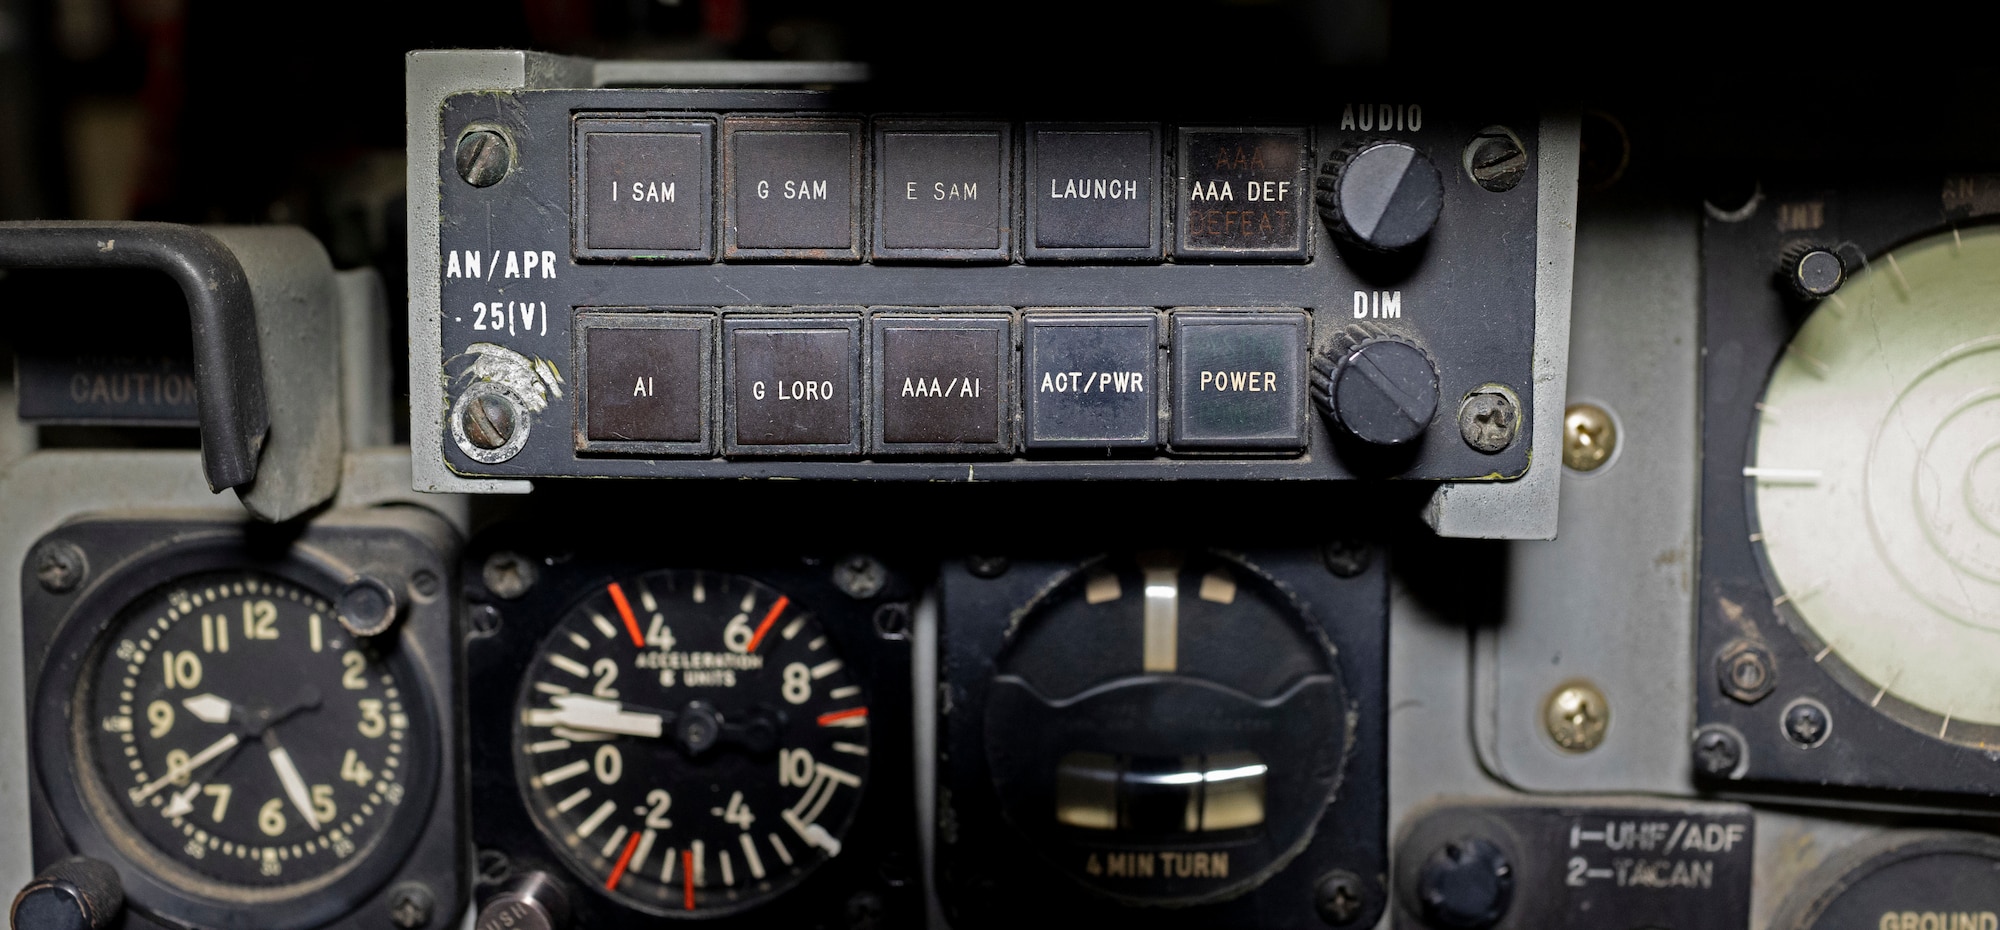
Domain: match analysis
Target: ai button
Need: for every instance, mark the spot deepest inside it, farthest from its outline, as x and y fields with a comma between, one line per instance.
x=1239, y=380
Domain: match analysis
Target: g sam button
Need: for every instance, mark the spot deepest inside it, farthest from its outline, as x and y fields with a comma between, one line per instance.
x=793, y=189
x=646, y=382
x=1089, y=379
x=645, y=189
x=791, y=384
x=1239, y=380
x=942, y=382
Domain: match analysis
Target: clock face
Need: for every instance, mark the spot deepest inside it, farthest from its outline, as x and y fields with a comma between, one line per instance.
x=690, y=743
x=1875, y=479
x=244, y=734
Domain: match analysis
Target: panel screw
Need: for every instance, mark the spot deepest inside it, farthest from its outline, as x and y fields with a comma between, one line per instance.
x=1577, y=716
x=986, y=566
x=410, y=905
x=424, y=583
x=892, y=620
x=1807, y=723
x=864, y=911
x=860, y=576
x=1488, y=421
x=1746, y=671
x=485, y=156
x=489, y=420
x=1496, y=159
x=59, y=566
x=1589, y=437
x=1338, y=898
x=366, y=606
x=483, y=619
x=508, y=575
x=1347, y=557
x=1717, y=752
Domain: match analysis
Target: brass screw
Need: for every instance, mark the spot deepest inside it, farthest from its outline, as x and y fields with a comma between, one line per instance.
x=1577, y=715
x=1589, y=437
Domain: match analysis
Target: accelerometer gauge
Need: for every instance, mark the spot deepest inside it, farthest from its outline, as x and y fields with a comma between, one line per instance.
x=1875, y=480
x=1166, y=730
x=690, y=743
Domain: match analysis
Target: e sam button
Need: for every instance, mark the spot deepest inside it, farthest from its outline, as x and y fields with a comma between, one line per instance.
x=1093, y=192
x=793, y=189
x=645, y=189
x=1239, y=380
x=1243, y=195
x=1089, y=379
x=791, y=384
x=942, y=383
x=646, y=382
x=943, y=191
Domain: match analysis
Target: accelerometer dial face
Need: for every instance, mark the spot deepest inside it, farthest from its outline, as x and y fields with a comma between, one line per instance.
x=244, y=735
x=690, y=743
x=1875, y=476
x=1166, y=730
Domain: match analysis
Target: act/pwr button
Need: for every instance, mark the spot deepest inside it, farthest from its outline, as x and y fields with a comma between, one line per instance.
x=1090, y=379
x=1239, y=379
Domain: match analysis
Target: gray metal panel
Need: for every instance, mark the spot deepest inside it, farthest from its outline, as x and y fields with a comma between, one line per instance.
x=724, y=73
x=1611, y=599
x=1526, y=508
x=366, y=412
x=430, y=77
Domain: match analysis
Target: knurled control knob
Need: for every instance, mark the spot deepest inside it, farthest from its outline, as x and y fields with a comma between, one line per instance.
x=1812, y=272
x=535, y=901
x=1466, y=884
x=77, y=893
x=1377, y=388
x=1379, y=196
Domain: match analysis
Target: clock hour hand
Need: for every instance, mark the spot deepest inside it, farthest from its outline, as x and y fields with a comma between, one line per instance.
x=289, y=777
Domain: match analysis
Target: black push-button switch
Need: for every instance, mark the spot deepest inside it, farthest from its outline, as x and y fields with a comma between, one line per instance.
x=1088, y=380
x=1239, y=380
x=794, y=189
x=646, y=380
x=941, y=384
x=942, y=191
x=1093, y=192
x=1243, y=195
x=791, y=384
x=645, y=189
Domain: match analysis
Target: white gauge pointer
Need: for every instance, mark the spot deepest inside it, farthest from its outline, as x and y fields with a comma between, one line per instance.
x=812, y=833
x=580, y=712
x=208, y=708
x=288, y=775
x=139, y=795
x=181, y=803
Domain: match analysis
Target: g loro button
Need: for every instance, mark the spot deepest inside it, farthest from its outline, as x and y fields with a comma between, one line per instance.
x=1239, y=380
x=791, y=384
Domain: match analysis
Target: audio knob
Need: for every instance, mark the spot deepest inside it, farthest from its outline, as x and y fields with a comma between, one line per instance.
x=1379, y=389
x=77, y=893
x=1380, y=196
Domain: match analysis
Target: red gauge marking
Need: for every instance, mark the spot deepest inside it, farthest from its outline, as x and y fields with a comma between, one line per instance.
x=829, y=719
x=624, y=859
x=765, y=627
x=687, y=879
x=625, y=611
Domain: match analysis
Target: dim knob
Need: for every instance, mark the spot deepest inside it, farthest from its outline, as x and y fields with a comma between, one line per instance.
x=1379, y=389
x=1380, y=196
x=74, y=894
x=534, y=901
x=1466, y=884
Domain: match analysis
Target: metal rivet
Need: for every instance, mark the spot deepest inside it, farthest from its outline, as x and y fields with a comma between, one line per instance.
x=986, y=566
x=860, y=576
x=1496, y=159
x=1718, y=752
x=1807, y=723
x=1590, y=436
x=508, y=575
x=59, y=566
x=1488, y=420
x=1577, y=716
x=485, y=156
x=410, y=905
x=1746, y=671
x=1347, y=557
x=1339, y=898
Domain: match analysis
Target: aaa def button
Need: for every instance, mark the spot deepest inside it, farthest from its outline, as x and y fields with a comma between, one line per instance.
x=791, y=383
x=1088, y=380
x=941, y=384
x=1239, y=380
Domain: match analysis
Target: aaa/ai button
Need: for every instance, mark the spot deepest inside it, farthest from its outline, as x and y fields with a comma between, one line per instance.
x=942, y=384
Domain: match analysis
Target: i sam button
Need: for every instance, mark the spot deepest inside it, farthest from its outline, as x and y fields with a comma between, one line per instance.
x=1239, y=380
x=791, y=384
x=645, y=189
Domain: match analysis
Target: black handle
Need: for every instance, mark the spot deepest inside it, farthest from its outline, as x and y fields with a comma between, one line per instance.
x=228, y=372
